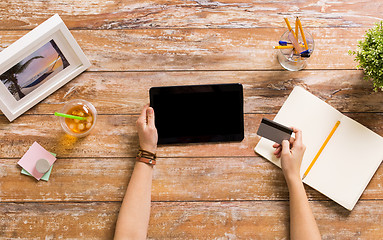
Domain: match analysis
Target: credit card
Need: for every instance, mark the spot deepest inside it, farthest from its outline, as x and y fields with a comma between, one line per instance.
x=274, y=131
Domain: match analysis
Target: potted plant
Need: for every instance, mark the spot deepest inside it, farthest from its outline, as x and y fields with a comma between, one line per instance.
x=370, y=56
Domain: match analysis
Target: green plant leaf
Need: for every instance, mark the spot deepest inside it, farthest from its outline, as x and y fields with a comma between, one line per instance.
x=370, y=55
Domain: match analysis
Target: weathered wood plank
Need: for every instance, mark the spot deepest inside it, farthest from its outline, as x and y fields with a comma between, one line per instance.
x=97, y=14
x=116, y=136
x=222, y=191
x=188, y=220
x=262, y=220
x=204, y=49
x=58, y=221
x=264, y=91
x=175, y=179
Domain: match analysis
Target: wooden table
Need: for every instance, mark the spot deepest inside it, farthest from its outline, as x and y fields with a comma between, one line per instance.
x=204, y=191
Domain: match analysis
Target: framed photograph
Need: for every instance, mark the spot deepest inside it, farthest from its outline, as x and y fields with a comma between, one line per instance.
x=38, y=64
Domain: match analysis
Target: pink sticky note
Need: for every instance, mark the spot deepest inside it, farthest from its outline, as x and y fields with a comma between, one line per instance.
x=34, y=153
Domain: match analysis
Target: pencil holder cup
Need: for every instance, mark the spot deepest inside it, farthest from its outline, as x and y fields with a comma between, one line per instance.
x=81, y=108
x=291, y=60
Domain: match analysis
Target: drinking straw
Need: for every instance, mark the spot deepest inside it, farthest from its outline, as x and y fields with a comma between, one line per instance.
x=69, y=116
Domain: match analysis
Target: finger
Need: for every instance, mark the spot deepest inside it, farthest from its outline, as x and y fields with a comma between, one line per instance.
x=285, y=147
x=143, y=111
x=278, y=155
x=150, y=116
x=298, y=135
x=291, y=141
x=275, y=145
x=142, y=118
x=278, y=151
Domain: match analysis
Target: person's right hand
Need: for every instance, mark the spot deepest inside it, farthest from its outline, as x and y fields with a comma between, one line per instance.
x=291, y=158
x=147, y=132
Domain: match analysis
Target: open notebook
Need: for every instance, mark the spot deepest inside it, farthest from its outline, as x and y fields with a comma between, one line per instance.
x=350, y=158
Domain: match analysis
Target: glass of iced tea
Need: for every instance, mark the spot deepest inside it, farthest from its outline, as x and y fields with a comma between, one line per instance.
x=82, y=108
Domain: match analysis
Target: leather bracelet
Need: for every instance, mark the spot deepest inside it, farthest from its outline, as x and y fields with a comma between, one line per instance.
x=146, y=157
x=146, y=160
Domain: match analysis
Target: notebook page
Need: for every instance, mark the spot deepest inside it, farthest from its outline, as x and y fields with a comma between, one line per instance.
x=310, y=114
x=347, y=164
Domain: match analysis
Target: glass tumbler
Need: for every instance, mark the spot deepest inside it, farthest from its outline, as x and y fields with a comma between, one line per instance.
x=82, y=108
x=293, y=61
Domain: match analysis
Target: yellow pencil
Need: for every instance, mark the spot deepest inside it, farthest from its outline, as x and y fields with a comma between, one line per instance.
x=296, y=28
x=321, y=149
x=303, y=35
x=283, y=47
x=291, y=30
x=288, y=25
x=286, y=47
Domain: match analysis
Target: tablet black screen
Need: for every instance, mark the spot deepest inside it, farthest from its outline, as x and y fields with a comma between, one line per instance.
x=199, y=113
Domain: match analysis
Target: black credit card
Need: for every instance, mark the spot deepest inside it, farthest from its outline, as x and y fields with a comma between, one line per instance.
x=274, y=131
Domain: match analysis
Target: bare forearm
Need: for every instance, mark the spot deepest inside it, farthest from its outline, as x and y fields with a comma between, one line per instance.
x=134, y=214
x=302, y=221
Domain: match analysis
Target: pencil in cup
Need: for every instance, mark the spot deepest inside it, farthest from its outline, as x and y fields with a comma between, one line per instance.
x=285, y=46
x=296, y=28
x=292, y=31
x=298, y=21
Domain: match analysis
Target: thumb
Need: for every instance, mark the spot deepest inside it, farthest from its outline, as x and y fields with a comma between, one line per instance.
x=285, y=147
x=150, y=116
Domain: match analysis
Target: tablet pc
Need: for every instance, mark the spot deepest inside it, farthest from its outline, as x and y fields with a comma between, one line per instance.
x=198, y=113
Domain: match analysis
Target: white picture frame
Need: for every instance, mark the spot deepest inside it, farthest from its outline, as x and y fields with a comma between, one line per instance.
x=37, y=65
